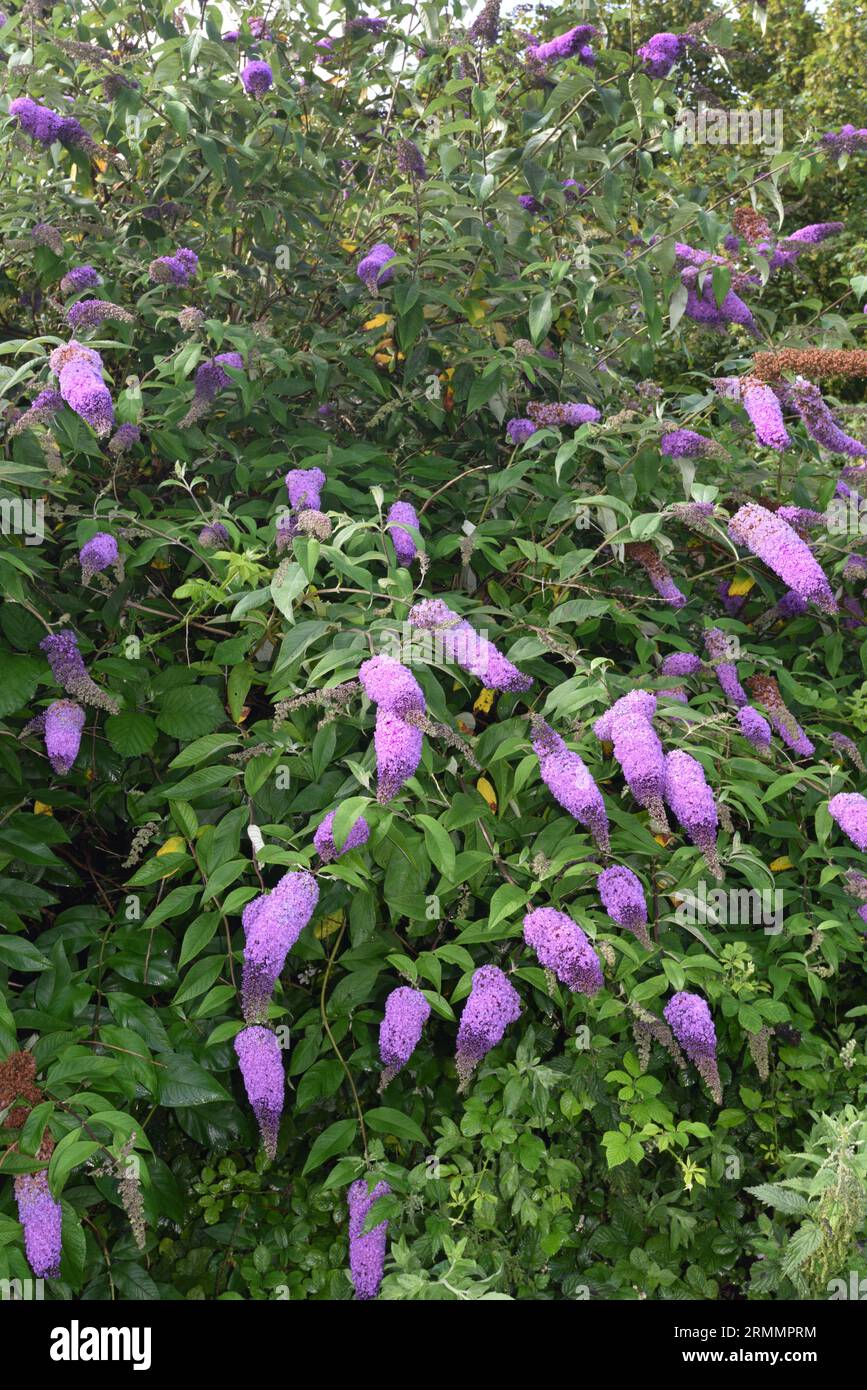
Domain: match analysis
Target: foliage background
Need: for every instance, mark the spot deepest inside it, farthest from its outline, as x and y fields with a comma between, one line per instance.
x=564, y=1172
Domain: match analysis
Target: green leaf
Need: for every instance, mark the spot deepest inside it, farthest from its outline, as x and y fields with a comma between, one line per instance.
x=182, y=1082
x=189, y=711
x=336, y=1139
x=131, y=734
x=386, y=1121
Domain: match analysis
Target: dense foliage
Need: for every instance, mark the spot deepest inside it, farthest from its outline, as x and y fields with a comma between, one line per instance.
x=401, y=254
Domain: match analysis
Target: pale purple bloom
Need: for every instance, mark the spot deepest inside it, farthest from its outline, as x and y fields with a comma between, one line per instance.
x=375, y=269
x=687, y=444
x=702, y=308
x=492, y=1005
x=257, y=78
x=485, y=28
x=304, y=486
x=401, y=515
x=211, y=378
x=97, y=555
x=261, y=1061
x=398, y=753
x=90, y=313
x=529, y=203
x=849, y=810
x=732, y=603
x=639, y=753
x=754, y=728
x=641, y=702
x=846, y=745
x=661, y=52
x=569, y=782
x=820, y=423
x=468, y=648
x=79, y=372
x=68, y=669
x=64, y=721
x=847, y=140
x=323, y=839
x=765, y=412
x=81, y=277
x=406, y=1013
x=557, y=413
x=563, y=948
x=681, y=664
x=816, y=232
x=366, y=1252
x=691, y=799
x=783, y=551
x=45, y=126
x=573, y=42
x=623, y=899
x=391, y=686
x=717, y=646
x=41, y=1216
x=690, y=1021
x=272, y=924
x=519, y=430
x=177, y=269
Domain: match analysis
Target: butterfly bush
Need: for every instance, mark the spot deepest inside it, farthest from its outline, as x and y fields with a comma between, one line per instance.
x=375, y=269
x=400, y=516
x=691, y=801
x=366, y=1249
x=661, y=52
x=849, y=810
x=492, y=1005
x=64, y=721
x=468, y=648
x=782, y=550
x=261, y=1063
x=569, y=782
x=272, y=924
x=98, y=554
x=623, y=899
x=574, y=43
x=79, y=373
x=41, y=1216
x=257, y=78
x=563, y=948
x=716, y=644
x=754, y=727
x=323, y=840
x=406, y=1013
x=68, y=669
x=691, y=1022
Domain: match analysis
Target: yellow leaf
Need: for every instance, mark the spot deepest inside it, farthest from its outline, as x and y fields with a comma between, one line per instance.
x=328, y=926
x=484, y=702
x=349, y=246
x=485, y=790
x=501, y=337
x=778, y=865
x=741, y=586
x=662, y=840
x=40, y=809
x=158, y=564
x=377, y=321
x=476, y=310
x=175, y=844
x=633, y=223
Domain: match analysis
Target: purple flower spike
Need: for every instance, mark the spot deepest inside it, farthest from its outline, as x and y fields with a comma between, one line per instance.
x=691, y=800
x=375, y=268
x=764, y=409
x=41, y=1218
x=661, y=52
x=323, y=839
x=570, y=783
x=272, y=924
x=563, y=948
x=68, y=669
x=366, y=1252
x=689, y=1019
x=97, y=555
x=575, y=42
x=623, y=899
x=468, y=648
x=755, y=728
x=717, y=647
x=214, y=534
x=849, y=810
x=257, y=78
x=401, y=515
x=81, y=277
x=261, y=1062
x=64, y=721
x=492, y=1005
x=398, y=754
x=520, y=429
x=783, y=551
x=406, y=1013
x=304, y=486
x=686, y=444
x=391, y=686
